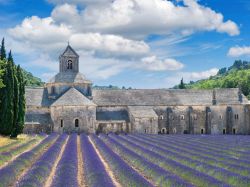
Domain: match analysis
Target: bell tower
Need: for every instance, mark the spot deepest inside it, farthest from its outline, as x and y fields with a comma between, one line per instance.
x=69, y=61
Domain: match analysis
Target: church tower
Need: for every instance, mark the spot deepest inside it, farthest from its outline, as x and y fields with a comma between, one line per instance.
x=69, y=61
x=68, y=76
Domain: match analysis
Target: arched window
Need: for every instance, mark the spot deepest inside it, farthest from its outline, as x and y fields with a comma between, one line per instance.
x=61, y=123
x=76, y=123
x=202, y=131
x=69, y=65
x=53, y=90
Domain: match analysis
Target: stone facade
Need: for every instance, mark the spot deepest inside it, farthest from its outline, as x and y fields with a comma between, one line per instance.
x=67, y=103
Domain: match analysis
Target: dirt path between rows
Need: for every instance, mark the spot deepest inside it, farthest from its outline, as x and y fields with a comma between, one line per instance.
x=80, y=174
x=106, y=166
x=53, y=170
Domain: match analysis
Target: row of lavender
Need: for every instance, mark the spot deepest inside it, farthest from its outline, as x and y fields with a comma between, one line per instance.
x=173, y=154
x=11, y=172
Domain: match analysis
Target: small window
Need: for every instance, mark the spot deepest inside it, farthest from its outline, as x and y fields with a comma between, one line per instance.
x=202, y=131
x=77, y=123
x=61, y=123
x=221, y=117
x=195, y=117
x=234, y=131
x=145, y=131
x=224, y=131
x=174, y=130
x=53, y=90
x=182, y=117
x=163, y=131
x=161, y=117
x=236, y=116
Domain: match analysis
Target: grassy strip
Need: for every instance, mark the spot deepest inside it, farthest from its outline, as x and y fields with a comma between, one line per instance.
x=11, y=153
x=10, y=173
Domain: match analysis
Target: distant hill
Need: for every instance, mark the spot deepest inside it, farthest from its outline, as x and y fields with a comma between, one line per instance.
x=237, y=75
x=31, y=80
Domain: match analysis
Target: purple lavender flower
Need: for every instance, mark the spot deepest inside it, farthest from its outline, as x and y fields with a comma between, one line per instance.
x=67, y=168
x=9, y=173
x=41, y=169
x=95, y=173
x=160, y=176
x=126, y=175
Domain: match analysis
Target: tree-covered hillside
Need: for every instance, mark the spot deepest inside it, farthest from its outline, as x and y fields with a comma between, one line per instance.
x=31, y=80
x=238, y=75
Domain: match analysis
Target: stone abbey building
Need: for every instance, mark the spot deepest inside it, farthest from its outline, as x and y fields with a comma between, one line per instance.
x=67, y=103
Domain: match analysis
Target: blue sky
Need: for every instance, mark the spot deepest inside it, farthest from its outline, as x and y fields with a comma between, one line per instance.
x=142, y=44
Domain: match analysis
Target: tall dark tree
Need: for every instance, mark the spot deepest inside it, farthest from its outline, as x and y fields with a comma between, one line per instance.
x=2, y=51
x=15, y=96
x=1, y=74
x=7, y=105
x=182, y=85
x=2, y=57
x=21, y=103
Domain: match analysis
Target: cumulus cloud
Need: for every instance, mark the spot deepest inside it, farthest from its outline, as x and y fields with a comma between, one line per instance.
x=109, y=45
x=238, y=51
x=193, y=76
x=110, y=34
x=152, y=63
x=190, y=76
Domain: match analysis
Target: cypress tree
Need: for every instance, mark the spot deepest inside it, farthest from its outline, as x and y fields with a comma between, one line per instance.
x=15, y=96
x=2, y=57
x=7, y=105
x=2, y=51
x=182, y=85
x=1, y=75
x=21, y=103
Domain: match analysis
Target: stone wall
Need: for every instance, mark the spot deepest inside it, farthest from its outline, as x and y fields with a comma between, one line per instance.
x=37, y=116
x=64, y=119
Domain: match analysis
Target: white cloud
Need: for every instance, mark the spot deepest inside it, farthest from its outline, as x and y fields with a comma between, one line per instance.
x=190, y=76
x=109, y=33
x=109, y=45
x=193, y=76
x=238, y=51
x=80, y=2
x=136, y=17
x=153, y=64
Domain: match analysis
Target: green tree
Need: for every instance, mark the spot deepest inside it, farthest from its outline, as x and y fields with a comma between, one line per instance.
x=7, y=105
x=1, y=74
x=15, y=96
x=182, y=85
x=2, y=51
x=21, y=103
x=2, y=57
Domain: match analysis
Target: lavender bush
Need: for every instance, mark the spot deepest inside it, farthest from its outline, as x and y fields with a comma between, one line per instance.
x=8, y=155
x=95, y=173
x=190, y=152
x=125, y=174
x=159, y=176
x=9, y=173
x=195, y=177
x=67, y=168
x=219, y=173
x=41, y=169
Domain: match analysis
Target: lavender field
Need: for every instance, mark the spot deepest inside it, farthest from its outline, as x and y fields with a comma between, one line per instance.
x=126, y=160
